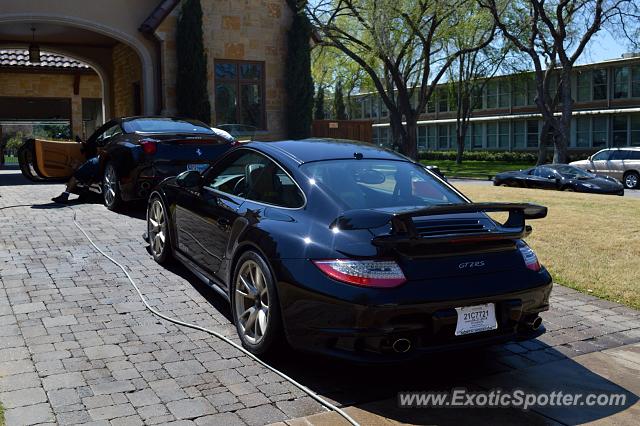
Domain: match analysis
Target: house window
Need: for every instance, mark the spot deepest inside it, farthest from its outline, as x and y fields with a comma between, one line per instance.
x=519, y=134
x=375, y=105
x=492, y=135
x=519, y=92
x=583, y=86
x=532, y=91
x=443, y=101
x=356, y=109
x=583, y=131
x=620, y=130
x=239, y=94
x=503, y=135
x=477, y=135
x=431, y=137
x=492, y=94
x=599, y=84
x=635, y=82
x=504, y=94
x=600, y=131
x=443, y=136
x=422, y=138
x=635, y=129
x=366, y=106
x=532, y=133
x=621, y=82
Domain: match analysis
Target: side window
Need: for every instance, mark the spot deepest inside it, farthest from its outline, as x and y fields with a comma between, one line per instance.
x=230, y=176
x=271, y=185
x=620, y=155
x=253, y=176
x=634, y=155
x=601, y=156
x=108, y=134
x=543, y=172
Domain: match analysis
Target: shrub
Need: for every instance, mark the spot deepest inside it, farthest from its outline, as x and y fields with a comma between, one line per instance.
x=192, y=97
x=504, y=156
x=298, y=80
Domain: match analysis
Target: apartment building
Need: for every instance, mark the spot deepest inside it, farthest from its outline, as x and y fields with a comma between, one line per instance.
x=606, y=112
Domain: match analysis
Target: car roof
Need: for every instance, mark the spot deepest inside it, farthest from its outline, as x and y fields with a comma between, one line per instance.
x=319, y=149
x=622, y=148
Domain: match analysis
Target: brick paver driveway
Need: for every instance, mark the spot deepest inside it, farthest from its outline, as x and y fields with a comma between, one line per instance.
x=77, y=345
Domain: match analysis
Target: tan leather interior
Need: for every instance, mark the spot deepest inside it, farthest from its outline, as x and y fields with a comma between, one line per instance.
x=58, y=159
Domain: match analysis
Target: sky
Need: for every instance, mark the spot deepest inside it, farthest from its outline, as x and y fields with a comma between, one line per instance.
x=602, y=47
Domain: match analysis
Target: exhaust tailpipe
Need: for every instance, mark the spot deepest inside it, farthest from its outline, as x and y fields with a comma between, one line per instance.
x=402, y=346
x=534, y=324
x=146, y=185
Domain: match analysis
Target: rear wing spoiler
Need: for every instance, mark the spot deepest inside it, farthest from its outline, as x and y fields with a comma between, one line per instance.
x=404, y=229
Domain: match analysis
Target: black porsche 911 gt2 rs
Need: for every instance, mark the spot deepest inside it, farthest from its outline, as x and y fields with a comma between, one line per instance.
x=350, y=250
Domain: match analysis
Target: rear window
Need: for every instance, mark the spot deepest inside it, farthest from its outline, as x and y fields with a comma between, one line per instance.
x=166, y=125
x=370, y=184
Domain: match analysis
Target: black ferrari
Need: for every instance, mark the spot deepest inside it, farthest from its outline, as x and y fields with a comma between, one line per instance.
x=350, y=250
x=560, y=177
x=136, y=153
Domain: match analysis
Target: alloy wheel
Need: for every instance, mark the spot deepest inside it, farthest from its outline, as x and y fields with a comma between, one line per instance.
x=631, y=180
x=109, y=185
x=157, y=232
x=251, y=302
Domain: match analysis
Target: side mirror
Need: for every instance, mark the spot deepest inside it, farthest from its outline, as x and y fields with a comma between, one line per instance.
x=189, y=179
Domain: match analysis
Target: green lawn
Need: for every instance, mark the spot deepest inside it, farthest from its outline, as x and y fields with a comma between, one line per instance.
x=9, y=159
x=589, y=242
x=475, y=169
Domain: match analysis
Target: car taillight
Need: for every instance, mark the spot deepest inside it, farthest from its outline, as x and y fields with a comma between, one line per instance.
x=149, y=146
x=530, y=258
x=365, y=273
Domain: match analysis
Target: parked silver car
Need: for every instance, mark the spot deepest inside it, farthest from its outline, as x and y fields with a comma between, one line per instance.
x=620, y=163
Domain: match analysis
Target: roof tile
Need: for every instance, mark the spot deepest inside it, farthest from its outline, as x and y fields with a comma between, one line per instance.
x=20, y=58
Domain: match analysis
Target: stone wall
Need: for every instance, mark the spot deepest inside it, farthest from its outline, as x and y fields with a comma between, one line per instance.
x=253, y=30
x=127, y=72
x=32, y=85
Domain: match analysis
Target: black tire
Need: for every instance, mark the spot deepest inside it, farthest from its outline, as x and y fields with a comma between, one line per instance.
x=265, y=338
x=27, y=162
x=631, y=180
x=111, y=187
x=163, y=254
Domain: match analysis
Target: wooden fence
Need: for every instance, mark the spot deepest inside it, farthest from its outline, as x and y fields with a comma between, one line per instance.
x=357, y=130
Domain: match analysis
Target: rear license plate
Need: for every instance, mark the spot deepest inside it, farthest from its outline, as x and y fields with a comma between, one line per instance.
x=200, y=167
x=476, y=319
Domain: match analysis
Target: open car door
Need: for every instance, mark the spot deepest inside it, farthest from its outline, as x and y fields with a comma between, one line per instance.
x=58, y=159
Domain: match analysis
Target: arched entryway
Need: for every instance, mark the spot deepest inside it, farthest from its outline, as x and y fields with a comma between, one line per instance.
x=106, y=37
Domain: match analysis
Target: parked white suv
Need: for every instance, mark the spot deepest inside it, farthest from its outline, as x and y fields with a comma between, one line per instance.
x=620, y=163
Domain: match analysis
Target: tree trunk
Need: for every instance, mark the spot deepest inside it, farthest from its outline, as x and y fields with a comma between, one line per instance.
x=561, y=144
x=546, y=136
x=561, y=141
x=395, y=121
x=410, y=139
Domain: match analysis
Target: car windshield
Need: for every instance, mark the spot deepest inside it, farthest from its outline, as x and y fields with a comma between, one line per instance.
x=370, y=184
x=166, y=125
x=573, y=172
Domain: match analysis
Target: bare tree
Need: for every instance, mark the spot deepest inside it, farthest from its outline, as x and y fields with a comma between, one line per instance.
x=554, y=34
x=401, y=45
x=471, y=72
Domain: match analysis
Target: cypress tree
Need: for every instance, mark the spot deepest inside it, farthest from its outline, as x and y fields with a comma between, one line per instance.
x=338, y=102
x=192, y=97
x=298, y=81
x=319, y=107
